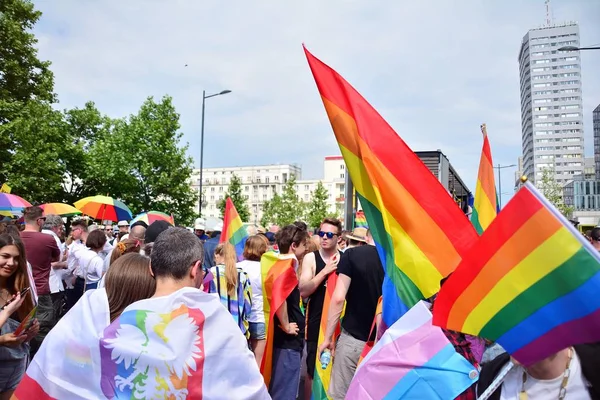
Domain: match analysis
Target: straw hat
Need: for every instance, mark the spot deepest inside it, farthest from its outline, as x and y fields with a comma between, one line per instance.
x=358, y=234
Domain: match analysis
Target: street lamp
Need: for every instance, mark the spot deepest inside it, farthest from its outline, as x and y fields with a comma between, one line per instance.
x=204, y=97
x=573, y=48
x=500, y=168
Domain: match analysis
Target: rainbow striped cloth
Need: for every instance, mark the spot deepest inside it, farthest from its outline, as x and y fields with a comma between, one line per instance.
x=531, y=284
x=233, y=229
x=360, y=221
x=420, y=233
x=184, y=345
x=485, y=206
x=278, y=280
x=413, y=359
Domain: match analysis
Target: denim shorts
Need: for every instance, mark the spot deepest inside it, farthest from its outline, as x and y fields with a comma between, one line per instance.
x=257, y=331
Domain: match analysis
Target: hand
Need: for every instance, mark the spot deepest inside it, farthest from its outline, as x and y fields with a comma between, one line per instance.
x=331, y=266
x=10, y=340
x=33, y=330
x=291, y=329
x=14, y=306
x=327, y=344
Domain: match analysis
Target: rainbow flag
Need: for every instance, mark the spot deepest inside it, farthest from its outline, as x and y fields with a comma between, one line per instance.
x=486, y=205
x=415, y=360
x=420, y=233
x=233, y=229
x=278, y=280
x=360, y=221
x=531, y=284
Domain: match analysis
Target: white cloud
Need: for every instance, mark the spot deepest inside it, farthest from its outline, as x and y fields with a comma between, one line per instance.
x=434, y=70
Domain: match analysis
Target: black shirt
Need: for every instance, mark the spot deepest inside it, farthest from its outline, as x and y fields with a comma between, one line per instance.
x=314, y=309
x=281, y=339
x=363, y=266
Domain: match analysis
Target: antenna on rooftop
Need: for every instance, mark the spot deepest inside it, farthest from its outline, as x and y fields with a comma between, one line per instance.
x=549, y=19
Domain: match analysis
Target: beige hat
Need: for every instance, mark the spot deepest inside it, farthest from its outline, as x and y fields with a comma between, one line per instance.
x=358, y=234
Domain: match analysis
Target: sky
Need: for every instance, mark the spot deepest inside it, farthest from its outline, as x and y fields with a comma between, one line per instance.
x=435, y=70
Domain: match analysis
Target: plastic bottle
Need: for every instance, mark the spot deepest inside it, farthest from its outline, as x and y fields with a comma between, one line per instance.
x=325, y=358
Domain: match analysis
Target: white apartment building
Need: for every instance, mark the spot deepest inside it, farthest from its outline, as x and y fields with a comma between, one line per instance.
x=261, y=182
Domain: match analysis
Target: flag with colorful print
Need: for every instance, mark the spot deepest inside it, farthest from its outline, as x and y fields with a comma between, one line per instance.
x=415, y=360
x=485, y=206
x=278, y=280
x=531, y=284
x=233, y=229
x=420, y=232
x=184, y=345
x=360, y=221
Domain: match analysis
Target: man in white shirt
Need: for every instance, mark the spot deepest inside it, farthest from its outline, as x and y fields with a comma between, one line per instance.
x=54, y=226
x=79, y=236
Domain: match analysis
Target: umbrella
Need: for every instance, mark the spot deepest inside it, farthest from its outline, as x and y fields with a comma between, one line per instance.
x=12, y=204
x=104, y=208
x=64, y=210
x=151, y=216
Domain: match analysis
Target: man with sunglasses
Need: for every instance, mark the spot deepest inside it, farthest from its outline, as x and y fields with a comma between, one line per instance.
x=78, y=237
x=316, y=267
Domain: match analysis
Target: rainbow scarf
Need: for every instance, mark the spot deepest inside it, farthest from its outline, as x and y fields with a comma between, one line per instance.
x=531, y=284
x=233, y=229
x=360, y=221
x=278, y=280
x=420, y=233
x=485, y=206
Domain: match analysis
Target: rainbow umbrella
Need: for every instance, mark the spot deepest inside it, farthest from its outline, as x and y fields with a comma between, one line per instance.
x=151, y=216
x=64, y=210
x=104, y=208
x=11, y=204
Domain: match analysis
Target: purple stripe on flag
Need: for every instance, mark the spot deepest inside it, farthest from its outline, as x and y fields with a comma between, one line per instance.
x=396, y=359
x=581, y=330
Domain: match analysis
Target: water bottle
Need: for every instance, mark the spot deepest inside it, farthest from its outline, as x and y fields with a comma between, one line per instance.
x=325, y=358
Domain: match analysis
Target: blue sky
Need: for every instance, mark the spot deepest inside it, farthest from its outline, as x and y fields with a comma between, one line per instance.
x=434, y=69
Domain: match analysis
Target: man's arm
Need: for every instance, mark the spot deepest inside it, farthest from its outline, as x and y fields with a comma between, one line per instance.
x=336, y=306
x=309, y=282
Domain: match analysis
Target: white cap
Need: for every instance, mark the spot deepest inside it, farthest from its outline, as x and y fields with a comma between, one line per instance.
x=218, y=227
x=199, y=226
x=122, y=223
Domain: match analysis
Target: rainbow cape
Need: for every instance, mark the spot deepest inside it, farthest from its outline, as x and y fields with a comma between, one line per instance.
x=415, y=360
x=184, y=345
x=233, y=229
x=360, y=221
x=278, y=280
x=485, y=206
x=420, y=233
x=531, y=284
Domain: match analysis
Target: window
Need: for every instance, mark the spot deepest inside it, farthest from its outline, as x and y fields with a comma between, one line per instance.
x=246, y=188
x=212, y=189
x=220, y=197
x=277, y=178
x=342, y=166
x=258, y=179
x=306, y=187
x=342, y=176
x=246, y=196
x=266, y=179
x=264, y=197
x=220, y=188
x=212, y=197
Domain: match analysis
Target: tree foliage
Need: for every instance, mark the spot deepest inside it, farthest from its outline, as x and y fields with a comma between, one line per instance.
x=553, y=191
x=284, y=209
x=234, y=191
x=317, y=209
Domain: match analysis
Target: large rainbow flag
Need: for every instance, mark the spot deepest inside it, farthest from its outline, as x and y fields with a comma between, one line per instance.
x=233, y=229
x=278, y=280
x=420, y=233
x=486, y=205
x=531, y=283
x=415, y=360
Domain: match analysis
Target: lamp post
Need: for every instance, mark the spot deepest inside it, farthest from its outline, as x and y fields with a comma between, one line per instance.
x=204, y=97
x=574, y=48
x=500, y=168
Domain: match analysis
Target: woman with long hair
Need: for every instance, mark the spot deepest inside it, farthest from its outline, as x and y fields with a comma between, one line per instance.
x=14, y=349
x=233, y=285
x=254, y=248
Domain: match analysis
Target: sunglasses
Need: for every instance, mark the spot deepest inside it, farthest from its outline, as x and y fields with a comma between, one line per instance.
x=329, y=235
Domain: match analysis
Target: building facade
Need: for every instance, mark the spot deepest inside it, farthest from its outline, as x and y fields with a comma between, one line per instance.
x=596, y=122
x=551, y=103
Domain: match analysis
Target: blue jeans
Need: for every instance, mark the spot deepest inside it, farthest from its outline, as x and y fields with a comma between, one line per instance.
x=257, y=330
x=285, y=377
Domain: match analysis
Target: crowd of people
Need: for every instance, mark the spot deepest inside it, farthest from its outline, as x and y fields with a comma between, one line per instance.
x=60, y=274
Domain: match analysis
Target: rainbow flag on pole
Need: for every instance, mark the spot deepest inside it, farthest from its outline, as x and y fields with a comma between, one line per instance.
x=531, y=283
x=278, y=280
x=420, y=233
x=233, y=229
x=415, y=360
x=486, y=205
x=360, y=221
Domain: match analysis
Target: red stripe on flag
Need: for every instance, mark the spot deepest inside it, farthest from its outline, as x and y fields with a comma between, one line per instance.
x=30, y=389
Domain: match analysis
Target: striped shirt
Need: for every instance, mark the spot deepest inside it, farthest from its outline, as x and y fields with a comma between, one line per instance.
x=240, y=303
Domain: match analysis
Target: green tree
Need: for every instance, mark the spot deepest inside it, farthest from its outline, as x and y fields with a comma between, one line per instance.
x=318, y=208
x=284, y=209
x=237, y=197
x=140, y=162
x=553, y=191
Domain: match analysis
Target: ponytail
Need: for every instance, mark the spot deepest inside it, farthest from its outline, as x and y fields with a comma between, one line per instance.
x=227, y=251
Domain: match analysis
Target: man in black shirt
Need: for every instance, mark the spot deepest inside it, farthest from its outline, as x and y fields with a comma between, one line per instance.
x=359, y=284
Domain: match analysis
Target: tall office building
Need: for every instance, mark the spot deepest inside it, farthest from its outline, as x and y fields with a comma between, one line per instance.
x=596, y=119
x=551, y=105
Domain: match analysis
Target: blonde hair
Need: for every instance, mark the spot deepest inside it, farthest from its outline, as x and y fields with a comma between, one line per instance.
x=227, y=251
x=124, y=247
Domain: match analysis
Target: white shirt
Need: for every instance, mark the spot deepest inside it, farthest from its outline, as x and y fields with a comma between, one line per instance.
x=252, y=268
x=73, y=260
x=545, y=389
x=106, y=250
x=91, y=266
x=56, y=275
